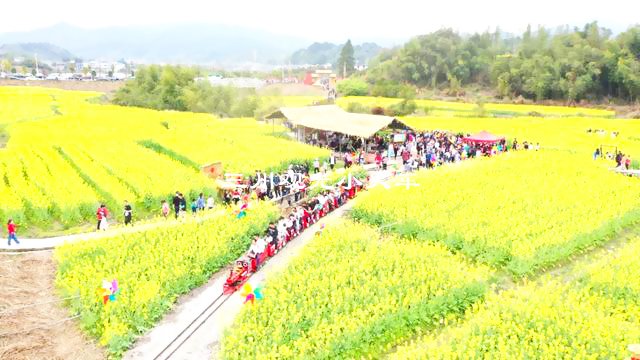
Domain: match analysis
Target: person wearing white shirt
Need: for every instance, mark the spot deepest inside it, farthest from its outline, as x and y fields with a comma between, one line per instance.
x=257, y=248
x=210, y=202
x=282, y=230
x=316, y=166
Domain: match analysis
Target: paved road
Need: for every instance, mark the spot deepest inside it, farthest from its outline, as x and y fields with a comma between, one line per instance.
x=52, y=242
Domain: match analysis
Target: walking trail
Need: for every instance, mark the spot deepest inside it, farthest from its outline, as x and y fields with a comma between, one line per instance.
x=27, y=244
x=52, y=242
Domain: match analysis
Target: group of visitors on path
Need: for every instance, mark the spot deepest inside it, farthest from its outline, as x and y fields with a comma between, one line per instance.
x=294, y=181
x=623, y=161
x=179, y=203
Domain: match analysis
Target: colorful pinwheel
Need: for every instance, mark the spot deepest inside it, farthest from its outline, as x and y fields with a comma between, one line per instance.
x=251, y=294
x=108, y=291
x=242, y=212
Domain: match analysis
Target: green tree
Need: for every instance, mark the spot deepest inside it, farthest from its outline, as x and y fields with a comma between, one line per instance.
x=346, y=61
x=569, y=64
x=353, y=87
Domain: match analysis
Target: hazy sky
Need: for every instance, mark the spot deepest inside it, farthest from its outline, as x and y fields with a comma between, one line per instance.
x=331, y=20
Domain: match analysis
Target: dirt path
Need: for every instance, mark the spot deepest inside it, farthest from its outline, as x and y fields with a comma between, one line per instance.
x=37, y=332
x=567, y=271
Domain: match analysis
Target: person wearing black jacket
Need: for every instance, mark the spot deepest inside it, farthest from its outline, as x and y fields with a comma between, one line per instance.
x=183, y=203
x=128, y=213
x=276, y=186
x=176, y=203
x=272, y=232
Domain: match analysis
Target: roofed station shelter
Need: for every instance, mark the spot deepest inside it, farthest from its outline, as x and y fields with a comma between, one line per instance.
x=322, y=125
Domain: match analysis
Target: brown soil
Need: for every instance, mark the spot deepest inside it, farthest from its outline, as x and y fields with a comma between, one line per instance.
x=43, y=331
x=100, y=86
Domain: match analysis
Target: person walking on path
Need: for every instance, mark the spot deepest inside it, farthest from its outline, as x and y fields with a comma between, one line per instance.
x=210, y=202
x=183, y=205
x=316, y=166
x=176, y=204
x=201, y=202
x=128, y=213
x=165, y=209
x=102, y=213
x=332, y=161
x=11, y=229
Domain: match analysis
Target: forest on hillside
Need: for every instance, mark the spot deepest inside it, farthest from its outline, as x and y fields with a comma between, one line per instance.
x=576, y=64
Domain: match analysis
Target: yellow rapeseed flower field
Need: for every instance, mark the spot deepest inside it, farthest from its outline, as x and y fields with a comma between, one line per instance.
x=66, y=154
x=568, y=133
x=152, y=267
x=593, y=316
x=462, y=109
x=521, y=210
x=352, y=293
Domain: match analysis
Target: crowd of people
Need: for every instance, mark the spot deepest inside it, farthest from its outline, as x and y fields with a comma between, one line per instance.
x=623, y=161
x=434, y=148
x=294, y=181
x=296, y=219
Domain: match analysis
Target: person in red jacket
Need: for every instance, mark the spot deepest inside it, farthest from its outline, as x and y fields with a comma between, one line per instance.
x=102, y=213
x=11, y=229
x=378, y=160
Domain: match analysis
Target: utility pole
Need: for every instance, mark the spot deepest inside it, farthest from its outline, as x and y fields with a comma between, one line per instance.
x=37, y=71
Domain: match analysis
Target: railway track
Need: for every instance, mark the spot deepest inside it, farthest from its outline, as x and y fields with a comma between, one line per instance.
x=176, y=343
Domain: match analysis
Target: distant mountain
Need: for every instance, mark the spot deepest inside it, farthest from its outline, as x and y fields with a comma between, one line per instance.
x=328, y=53
x=44, y=51
x=178, y=43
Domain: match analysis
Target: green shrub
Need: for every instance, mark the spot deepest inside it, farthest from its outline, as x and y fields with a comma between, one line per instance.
x=353, y=87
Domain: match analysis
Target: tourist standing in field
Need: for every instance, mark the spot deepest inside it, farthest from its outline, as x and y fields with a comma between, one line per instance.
x=210, y=202
x=165, y=208
x=11, y=229
x=102, y=214
x=128, y=213
x=332, y=161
